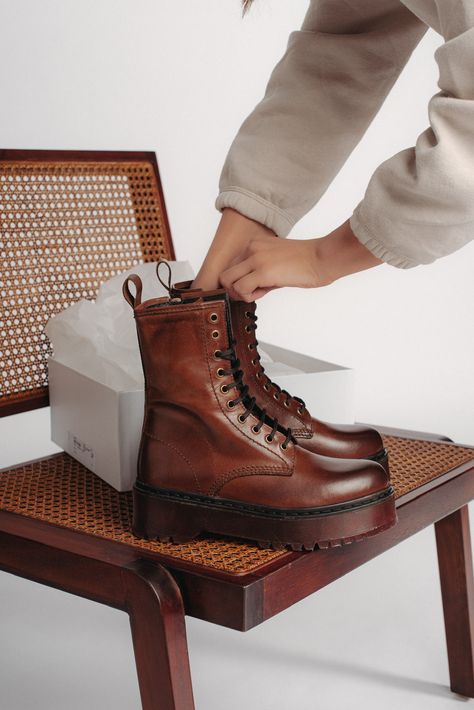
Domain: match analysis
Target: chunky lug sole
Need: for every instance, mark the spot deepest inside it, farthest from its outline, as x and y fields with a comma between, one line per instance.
x=174, y=516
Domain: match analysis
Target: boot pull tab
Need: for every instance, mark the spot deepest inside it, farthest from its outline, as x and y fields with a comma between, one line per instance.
x=134, y=301
x=168, y=285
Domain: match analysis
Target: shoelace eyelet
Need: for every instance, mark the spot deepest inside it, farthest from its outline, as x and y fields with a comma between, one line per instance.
x=250, y=346
x=266, y=387
x=248, y=329
x=283, y=446
x=248, y=314
x=276, y=396
x=220, y=372
x=258, y=375
x=215, y=334
x=217, y=354
x=241, y=418
x=300, y=410
x=248, y=401
x=254, y=361
x=286, y=403
x=213, y=317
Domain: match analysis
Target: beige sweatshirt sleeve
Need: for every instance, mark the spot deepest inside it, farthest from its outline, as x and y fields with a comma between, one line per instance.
x=322, y=95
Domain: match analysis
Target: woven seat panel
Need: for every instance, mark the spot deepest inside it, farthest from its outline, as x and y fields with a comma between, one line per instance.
x=62, y=491
x=65, y=228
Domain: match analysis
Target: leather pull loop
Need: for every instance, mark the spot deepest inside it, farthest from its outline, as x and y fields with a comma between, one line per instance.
x=168, y=285
x=134, y=301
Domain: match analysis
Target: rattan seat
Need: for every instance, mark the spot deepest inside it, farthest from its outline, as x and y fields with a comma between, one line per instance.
x=70, y=220
x=61, y=491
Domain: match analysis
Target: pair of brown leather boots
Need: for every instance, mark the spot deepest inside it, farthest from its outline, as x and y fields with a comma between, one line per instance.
x=225, y=450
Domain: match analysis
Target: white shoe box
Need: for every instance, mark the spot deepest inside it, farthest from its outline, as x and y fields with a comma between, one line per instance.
x=101, y=427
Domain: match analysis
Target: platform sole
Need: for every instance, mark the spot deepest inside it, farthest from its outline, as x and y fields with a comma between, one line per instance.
x=173, y=516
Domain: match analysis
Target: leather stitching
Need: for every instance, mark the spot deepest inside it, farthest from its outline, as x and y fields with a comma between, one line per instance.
x=246, y=471
x=252, y=471
x=180, y=453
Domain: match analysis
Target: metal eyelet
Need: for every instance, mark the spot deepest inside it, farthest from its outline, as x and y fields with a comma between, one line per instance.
x=213, y=317
x=258, y=375
x=224, y=389
x=276, y=396
x=286, y=403
x=220, y=372
x=215, y=334
x=254, y=361
x=247, y=314
x=230, y=404
x=217, y=354
x=299, y=410
x=268, y=438
x=283, y=446
x=241, y=418
x=266, y=387
x=250, y=346
x=248, y=329
x=255, y=429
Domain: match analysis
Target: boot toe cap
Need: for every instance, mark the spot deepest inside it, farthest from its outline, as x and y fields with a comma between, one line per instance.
x=345, y=441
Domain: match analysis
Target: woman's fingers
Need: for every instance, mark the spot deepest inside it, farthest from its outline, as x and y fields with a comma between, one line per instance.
x=229, y=277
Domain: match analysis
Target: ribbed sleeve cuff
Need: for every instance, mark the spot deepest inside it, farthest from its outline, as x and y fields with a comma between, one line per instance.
x=255, y=207
x=374, y=245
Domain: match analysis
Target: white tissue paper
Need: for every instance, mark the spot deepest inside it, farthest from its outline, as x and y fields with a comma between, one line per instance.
x=98, y=338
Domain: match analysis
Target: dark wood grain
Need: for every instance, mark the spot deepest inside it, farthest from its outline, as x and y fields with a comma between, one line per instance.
x=156, y=615
x=144, y=589
x=457, y=589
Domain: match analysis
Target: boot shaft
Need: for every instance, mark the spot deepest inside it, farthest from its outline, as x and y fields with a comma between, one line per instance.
x=178, y=342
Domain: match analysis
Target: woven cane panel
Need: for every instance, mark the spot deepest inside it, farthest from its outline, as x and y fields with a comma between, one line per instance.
x=65, y=227
x=62, y=491
x=414, y=462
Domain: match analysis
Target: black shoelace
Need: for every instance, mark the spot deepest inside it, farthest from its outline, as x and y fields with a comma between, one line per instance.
x=269, y=382
x=248, y=401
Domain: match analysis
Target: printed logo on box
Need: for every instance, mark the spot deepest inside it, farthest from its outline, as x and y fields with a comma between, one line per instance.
x=80, y=451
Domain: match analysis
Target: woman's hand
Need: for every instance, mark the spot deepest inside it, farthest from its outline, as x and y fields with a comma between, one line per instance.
x=269, y=264
x=266, y=264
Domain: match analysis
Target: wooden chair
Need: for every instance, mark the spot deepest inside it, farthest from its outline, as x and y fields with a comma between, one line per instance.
x=71, y=220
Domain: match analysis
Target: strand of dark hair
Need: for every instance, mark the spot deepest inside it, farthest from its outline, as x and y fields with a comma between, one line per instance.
x=246, y=6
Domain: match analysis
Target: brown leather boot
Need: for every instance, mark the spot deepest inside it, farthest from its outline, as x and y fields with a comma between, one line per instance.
x=210, y=459
x=338, y=440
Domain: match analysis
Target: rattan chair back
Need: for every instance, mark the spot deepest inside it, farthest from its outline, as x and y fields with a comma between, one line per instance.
x=69, y=220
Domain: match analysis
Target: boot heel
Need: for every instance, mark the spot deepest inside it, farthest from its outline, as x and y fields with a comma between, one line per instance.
x=159, y=519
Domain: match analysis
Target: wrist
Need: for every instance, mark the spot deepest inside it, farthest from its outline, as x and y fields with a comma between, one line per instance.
x=340, y=253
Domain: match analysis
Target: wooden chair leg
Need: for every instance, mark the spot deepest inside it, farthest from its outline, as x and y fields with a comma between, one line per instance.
x=155, y=607
x=457, y=590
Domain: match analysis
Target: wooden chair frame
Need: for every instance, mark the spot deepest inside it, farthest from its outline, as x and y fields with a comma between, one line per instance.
x=157, y=591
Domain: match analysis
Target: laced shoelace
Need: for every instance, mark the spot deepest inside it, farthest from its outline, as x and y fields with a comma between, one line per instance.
x=269, y=382
x=248, y=401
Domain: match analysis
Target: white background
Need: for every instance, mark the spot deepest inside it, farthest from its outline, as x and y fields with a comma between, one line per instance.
x=179, y=78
